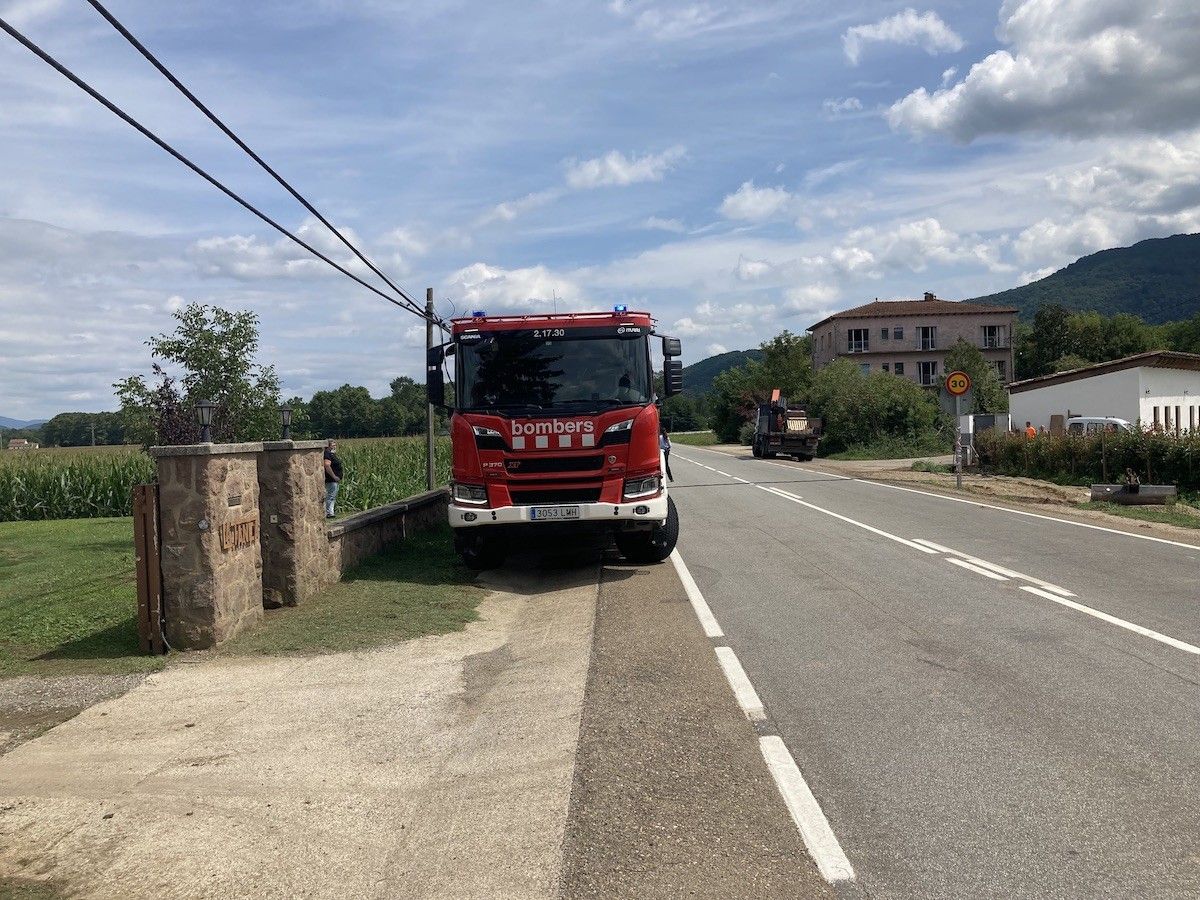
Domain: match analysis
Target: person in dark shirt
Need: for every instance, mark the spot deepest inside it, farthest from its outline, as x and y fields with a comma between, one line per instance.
x=333, y=477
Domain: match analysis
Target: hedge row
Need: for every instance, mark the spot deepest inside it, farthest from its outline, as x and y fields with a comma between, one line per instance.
x=1088, y=459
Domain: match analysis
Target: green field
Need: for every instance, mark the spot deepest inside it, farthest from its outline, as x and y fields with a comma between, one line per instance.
x=695, y=439
x=68, y=598
x=96, y=482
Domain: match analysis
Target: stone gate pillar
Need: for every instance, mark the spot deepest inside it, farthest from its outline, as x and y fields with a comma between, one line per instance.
x=211, y=562
x=291, y=480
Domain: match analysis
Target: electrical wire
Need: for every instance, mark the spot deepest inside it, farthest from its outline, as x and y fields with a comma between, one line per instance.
x=228, y=132
x=146, y=132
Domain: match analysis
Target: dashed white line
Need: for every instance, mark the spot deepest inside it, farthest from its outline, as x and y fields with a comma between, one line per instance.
x=707, y=620
x=739, y=681
x=1113, y=620
x=978, y=570
x=871, y=528
x=1000, y=570
x=806, y=812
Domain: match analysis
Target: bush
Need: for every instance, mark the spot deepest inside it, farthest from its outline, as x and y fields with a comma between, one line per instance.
x=746, y=434
x=1088, y=459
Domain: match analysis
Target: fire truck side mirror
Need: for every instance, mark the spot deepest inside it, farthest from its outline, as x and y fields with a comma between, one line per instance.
x=435, y=384
x=672, y=377
x=671, y=347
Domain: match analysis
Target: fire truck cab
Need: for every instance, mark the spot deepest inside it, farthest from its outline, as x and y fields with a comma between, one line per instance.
x=554, y=424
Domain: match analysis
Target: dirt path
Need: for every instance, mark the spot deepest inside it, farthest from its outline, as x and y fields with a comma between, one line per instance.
x=436, y=768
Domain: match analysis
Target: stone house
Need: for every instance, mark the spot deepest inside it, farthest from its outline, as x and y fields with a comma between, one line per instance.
x=910, y=337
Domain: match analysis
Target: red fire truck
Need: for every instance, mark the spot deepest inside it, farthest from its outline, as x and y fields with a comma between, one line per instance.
x=554, y=425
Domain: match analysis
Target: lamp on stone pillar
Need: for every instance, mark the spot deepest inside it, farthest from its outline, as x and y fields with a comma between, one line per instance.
x=285, y=416
x=204, y=414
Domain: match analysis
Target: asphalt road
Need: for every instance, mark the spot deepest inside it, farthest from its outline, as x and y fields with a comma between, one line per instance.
x=966, y=690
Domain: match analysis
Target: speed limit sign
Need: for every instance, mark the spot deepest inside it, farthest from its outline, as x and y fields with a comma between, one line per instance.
x=958, y=383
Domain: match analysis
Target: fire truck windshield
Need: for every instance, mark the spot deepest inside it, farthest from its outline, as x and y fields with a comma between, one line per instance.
x=524, y=370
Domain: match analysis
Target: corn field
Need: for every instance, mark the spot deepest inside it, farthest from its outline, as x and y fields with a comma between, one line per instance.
x=1089, y=459
x=85, y=484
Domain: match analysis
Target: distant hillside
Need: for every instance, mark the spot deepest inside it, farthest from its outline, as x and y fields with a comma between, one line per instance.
x=6, y=422
x=1158, y=279
x=698, y=377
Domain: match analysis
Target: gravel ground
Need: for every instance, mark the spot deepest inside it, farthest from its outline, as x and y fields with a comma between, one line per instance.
x=31, y=705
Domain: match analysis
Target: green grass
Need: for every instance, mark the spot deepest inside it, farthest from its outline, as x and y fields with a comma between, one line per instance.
x=698, y=439
x=925, y=465
x=891, y=448
x=72, y=483
x=1181, y=514
x=414, y=589
x=68, y=598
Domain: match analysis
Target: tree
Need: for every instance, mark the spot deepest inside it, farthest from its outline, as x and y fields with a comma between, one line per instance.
x=987, y=392
x=347, y=411
x=786, y=364
x=215, y=350
x=1047, y=341
x=880, y=410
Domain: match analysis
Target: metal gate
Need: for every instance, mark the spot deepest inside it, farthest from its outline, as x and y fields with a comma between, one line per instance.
x=149, y=568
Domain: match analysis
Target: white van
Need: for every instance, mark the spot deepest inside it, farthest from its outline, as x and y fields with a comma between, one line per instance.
x=1096, y=424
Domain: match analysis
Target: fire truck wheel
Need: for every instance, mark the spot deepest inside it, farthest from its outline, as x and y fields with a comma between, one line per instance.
x=480, y=552
x=651, y=546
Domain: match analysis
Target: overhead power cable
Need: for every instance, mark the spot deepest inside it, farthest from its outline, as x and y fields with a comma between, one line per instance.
x=228, y=132
x=146, y=132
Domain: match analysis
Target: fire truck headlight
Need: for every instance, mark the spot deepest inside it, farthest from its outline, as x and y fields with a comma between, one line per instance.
x=485, y=432
x=619, y=426
x=642, y=487
x=475, y=494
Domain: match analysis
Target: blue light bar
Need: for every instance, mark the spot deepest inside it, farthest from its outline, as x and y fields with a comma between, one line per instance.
x=620, y=308
x=478, y=314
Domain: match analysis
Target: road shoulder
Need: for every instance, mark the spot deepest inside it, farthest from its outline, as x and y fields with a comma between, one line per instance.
x=671, y=796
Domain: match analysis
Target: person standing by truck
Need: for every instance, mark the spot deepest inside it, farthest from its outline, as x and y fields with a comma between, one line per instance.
x=333, y=477
x=664, y=444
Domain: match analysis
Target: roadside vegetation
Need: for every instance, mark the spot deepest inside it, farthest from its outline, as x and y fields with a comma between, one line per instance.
x=695, y=439
x=1182, y=514
x=413, y=589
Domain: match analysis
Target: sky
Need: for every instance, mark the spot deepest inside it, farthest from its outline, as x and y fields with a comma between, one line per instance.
x=735, y=168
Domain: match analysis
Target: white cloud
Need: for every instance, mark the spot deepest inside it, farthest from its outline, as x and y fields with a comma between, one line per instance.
x=1075, y=68
x=247, y=258
x=654, y=223
x=716, y=349
x=925, y=30
x=754, y=204
x=535, y=288
x=836, y=106
x=948, y=75
x=753, y=269
x=614, y=168
x=510, y=209
x=709, y=318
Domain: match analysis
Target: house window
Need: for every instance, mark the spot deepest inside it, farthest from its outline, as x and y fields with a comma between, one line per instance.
x=899, y=368
x=883, y=334
x=865, y=368
x=898, y=333
x=885, y=367
x=993, y=336
x=926, y=337
x=857, y=340
x=927, y=373
x=1001, y=369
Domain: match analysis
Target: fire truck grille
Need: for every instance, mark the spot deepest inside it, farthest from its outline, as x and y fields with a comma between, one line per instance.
x=535, y=465
x=556, y=495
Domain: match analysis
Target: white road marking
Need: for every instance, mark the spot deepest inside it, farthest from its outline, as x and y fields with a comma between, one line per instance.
x=806, y=812
x=1015, y=512
x=743, y=690
x=795, y=499
x=1113, y=620
x=719, y=472
x=707, y=620
x=979, y=570
x=1001, y=570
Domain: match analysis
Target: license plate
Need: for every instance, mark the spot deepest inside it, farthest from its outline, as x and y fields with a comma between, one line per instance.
x=546, y=513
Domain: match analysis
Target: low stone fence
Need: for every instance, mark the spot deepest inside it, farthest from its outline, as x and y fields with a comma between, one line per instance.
x=243, y=528
x=353, y=539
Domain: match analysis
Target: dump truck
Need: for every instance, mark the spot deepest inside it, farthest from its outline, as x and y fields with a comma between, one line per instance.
x=554, y=424
x=784, y=429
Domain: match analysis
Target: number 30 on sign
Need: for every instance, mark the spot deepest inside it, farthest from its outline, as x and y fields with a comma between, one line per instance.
x=958, y=383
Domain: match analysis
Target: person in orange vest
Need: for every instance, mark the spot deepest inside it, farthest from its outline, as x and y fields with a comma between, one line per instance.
x=1030, y=431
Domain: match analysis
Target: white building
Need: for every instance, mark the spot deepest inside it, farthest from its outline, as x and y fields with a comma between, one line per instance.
x=1160, y=388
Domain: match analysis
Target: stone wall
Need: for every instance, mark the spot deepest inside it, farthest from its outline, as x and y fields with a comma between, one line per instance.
x=211, y=561
x=356, y=537
x=294, y=545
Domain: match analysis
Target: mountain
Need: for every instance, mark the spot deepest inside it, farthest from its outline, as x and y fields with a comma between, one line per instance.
x=1157, y=279
x=6, y=422
x=698, y=377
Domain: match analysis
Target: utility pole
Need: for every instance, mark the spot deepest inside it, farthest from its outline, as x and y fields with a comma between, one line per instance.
x=429, y=413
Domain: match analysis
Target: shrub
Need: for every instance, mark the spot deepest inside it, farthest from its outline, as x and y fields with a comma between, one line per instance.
x=746, y=433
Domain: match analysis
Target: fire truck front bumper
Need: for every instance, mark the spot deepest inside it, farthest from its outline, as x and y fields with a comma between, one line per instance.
x=621, y=515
